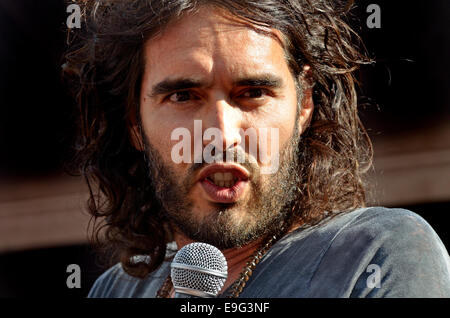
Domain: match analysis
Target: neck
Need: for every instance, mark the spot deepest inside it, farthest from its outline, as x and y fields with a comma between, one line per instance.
x=237, y=257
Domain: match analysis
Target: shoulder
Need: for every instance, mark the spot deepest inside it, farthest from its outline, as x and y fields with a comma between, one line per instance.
x=410, y=256
x=369, y=225
x=116, y=283
x=111, y=283
x=391, y=228
x=389, y=219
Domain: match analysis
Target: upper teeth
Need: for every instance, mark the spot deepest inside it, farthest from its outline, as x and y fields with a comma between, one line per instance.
x=223, y=179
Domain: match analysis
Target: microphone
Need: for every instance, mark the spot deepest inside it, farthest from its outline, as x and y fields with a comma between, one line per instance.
x=198, y=270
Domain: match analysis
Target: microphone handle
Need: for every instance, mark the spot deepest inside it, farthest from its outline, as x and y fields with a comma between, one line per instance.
x=183, y=292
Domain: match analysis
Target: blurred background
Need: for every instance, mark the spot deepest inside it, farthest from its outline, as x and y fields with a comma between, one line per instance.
x=43, y=223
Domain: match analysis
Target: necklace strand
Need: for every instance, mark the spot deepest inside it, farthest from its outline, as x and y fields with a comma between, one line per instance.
x=239, y=284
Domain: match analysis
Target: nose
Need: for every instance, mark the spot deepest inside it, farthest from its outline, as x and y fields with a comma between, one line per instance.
x=227, y=119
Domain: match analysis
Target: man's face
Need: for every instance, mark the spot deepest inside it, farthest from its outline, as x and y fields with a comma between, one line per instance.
x=208, y=67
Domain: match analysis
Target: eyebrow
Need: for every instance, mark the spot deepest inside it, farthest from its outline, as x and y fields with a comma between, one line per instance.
x=265, y=80
x=171, y=85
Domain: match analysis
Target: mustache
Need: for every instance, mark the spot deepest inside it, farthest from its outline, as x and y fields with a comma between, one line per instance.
x=233, y=155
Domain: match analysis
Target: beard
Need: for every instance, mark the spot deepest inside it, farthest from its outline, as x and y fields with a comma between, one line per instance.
x=266, y=211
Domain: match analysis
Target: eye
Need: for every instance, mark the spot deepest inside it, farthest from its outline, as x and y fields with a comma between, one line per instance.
x=180, y=97
x=254, y=93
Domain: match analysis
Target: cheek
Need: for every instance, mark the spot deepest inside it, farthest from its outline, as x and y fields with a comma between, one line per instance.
x=286, y=127
x=158, y=132
x=275, y=129
x=282, y=119
x=159, y=135
x=286, y=119
x=160, y=140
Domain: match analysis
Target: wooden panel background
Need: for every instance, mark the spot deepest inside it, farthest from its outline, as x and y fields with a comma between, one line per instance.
x=409, y=169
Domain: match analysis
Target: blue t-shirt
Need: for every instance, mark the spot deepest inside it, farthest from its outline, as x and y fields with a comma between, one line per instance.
x=369, y=252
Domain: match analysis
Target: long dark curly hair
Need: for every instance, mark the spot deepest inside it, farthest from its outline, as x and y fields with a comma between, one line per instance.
x=104, y=66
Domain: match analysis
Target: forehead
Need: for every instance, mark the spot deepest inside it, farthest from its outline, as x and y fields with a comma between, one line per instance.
x=211, y=40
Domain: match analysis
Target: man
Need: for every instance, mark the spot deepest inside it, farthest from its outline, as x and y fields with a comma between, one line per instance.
x=169, y=91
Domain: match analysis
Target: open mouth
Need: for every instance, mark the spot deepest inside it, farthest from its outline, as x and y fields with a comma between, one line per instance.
x=224, y=184
x=223, y=179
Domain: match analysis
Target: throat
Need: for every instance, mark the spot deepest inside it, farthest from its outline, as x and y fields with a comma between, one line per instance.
x=237, y=259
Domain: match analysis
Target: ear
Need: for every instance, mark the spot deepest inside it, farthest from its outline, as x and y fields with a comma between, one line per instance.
x=307, y=104
x=135, y=138
x=134, y=131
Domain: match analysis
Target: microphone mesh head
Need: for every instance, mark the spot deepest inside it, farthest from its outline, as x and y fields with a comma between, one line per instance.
x=203, y=256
